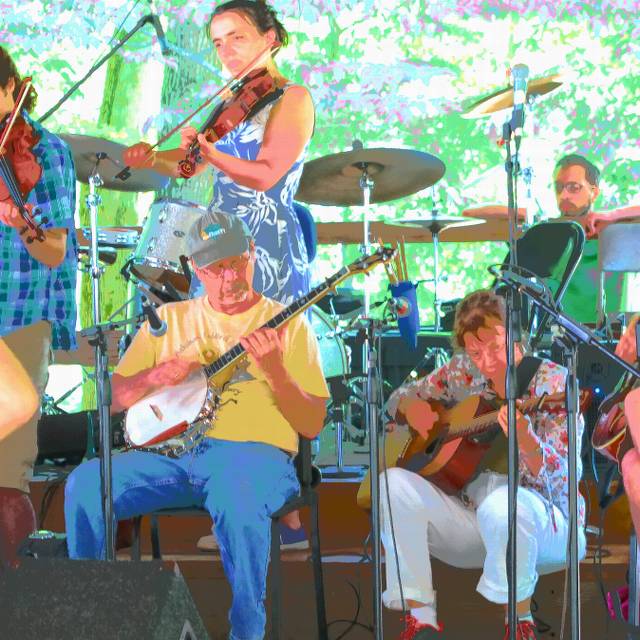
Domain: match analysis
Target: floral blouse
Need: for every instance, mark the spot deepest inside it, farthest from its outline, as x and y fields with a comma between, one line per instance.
x=459, y=378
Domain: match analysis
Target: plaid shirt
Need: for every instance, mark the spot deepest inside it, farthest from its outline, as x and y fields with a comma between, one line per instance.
x=29, y=290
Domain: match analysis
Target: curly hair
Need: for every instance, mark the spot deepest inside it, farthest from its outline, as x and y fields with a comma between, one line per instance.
x=9, y=70
x=262, y=15
x=473, y=311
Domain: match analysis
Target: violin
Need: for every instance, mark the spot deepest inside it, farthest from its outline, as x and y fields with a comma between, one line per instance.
x=252, y=93
x=19, y=169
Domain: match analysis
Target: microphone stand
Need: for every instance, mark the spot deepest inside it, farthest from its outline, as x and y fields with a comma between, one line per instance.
x=572, y=333
x=513, y=335
x=148, y=19
x=103, y=384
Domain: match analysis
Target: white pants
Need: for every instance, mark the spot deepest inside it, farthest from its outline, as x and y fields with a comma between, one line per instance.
x=426, y=521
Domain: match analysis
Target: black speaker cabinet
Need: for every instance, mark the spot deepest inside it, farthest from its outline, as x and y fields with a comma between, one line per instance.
x=89, y=600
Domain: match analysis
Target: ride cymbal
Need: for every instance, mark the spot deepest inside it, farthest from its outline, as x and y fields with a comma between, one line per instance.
x=396, y=173
x=84, y=150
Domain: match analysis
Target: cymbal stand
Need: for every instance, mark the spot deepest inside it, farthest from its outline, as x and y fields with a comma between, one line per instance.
x=372, y=414
x=366, y=184
x=439, y=354
x=102, y=381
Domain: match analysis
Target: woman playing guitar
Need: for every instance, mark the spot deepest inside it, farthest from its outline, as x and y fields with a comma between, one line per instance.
x=257, y=166
x=470, y=529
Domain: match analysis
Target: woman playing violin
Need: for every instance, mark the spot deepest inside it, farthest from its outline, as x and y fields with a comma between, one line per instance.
x=37, y=293
x=256, y=166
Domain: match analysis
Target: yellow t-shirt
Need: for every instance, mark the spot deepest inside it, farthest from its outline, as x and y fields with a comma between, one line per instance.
x=198, y=333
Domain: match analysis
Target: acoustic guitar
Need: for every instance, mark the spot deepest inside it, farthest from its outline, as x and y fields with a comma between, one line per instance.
x=458, y=442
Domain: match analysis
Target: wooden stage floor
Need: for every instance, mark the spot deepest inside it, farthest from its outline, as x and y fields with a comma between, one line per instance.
x=348, y=584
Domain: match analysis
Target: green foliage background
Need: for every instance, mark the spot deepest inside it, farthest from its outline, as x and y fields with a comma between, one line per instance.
x=392, y=74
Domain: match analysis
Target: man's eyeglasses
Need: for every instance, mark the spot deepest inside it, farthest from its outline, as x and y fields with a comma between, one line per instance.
x=237, y=266
x=571, y=187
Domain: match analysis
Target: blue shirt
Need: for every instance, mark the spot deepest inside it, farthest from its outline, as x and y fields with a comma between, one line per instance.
x=29, y=290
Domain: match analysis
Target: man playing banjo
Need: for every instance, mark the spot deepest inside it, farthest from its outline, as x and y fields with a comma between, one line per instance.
x=242, y=470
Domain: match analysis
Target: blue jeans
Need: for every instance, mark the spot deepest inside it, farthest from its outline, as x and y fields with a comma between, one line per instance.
x=240, y=483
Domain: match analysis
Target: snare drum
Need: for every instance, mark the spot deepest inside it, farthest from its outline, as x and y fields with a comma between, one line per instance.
x=333, y=352
x=156, y=260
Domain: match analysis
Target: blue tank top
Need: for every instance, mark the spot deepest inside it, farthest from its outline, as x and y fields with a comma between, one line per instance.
x=282, y=266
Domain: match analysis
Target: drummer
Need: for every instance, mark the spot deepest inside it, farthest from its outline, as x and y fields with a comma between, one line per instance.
x=257, y=166
x=577, y=181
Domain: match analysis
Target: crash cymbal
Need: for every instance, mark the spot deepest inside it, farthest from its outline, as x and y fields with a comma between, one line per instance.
x=503, y=99
x=435, y=224
x=84, y=149
x=335, y=179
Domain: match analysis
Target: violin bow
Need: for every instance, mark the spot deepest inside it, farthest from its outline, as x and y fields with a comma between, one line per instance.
x=126, y=172
x=13, y=116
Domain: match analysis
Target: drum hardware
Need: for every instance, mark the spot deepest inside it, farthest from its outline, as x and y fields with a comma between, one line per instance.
x=85, y=149
x=115, y=237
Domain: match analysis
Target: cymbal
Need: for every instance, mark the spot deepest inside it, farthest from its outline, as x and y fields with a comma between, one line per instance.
x=84, y=149
x=335, y=179
x=503, y=99
x=435, y=224
x=351, y=232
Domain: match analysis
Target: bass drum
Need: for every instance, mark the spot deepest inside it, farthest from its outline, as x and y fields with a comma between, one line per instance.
x=156, y=260
x=333, y=351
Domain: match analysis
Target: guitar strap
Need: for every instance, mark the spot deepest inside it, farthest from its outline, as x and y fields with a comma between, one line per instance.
x=497, y=457
x=525, y=373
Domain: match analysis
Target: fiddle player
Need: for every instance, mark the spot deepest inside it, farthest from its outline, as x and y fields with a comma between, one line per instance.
x=470, y=529
x=37, y=301
x=256, y=168
x=577, y=186
x=242, y=471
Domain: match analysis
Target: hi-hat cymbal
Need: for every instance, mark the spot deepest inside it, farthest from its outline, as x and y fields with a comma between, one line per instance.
x=503, y=99
x=435, y=224
x=335, y=179
x=84, y=150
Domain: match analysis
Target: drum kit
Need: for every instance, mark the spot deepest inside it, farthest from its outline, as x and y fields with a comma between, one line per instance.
x=361, y=176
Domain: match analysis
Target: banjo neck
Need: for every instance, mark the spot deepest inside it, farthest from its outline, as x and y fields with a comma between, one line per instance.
x=363, y=265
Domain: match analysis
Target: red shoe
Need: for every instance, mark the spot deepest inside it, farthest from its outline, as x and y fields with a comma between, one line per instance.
x=526, y=630
x=414, y=630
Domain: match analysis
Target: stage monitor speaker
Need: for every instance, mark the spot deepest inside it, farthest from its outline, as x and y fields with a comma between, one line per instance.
x=91, y=600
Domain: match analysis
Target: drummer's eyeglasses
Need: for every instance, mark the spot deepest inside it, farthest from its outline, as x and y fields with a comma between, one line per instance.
x=571, y=187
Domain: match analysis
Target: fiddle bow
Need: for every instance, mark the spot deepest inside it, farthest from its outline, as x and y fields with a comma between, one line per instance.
x=18, y=167
x=223, y=118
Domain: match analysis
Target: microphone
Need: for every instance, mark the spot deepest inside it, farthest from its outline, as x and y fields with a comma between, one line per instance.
x=157, y=327
x=519, y=76
x=524, y=283
x=159, y=29
x=401, y=306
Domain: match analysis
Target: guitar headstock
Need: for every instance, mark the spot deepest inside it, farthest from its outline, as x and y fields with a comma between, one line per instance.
x=365, y=264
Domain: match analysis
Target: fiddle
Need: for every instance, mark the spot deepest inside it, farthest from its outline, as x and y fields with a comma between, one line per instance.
x=19, y=169
x=250, y=91
x=253, y=93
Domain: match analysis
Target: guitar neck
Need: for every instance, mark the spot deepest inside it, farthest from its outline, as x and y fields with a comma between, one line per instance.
x=486, y=421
